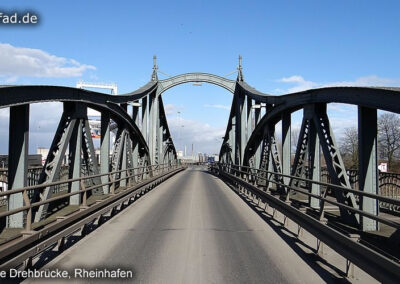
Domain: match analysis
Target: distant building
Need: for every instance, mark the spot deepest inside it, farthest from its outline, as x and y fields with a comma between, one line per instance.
x=44, y=152
x=203, y=158
x=213, y=158
x=33, y=160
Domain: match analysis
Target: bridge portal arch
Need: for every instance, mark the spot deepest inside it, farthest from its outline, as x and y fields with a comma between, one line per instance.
x=225, y=83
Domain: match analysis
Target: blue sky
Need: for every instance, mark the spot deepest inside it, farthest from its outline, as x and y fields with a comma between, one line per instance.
x=286, y=46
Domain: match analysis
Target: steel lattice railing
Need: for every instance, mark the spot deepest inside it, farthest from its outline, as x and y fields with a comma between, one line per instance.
x=252, y=175
x=28, y=208
x=377, y=263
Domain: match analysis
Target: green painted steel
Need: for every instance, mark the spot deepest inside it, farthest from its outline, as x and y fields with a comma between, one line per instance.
x=18, y=160
x=368, y=170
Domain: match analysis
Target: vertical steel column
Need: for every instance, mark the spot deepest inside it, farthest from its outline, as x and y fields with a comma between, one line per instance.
x=135, y=115
x=270, y=166
x=135, y=144
x=17, y=160
x=160, y=143
x=124, y=162
x=157, y=135
x=367, y=165
x=124, y=153
x=314, y=162
x=231, y=143
x=249, y=119
x=105, y=150
x=237, y=132
x=135, y=157
x=286, y=146
x=257, y=118
x=75, y=149
x=145, y=117
x=257, y=113
x=153, y=105
x=233, y=139
x=243, y=130
x=313, y=155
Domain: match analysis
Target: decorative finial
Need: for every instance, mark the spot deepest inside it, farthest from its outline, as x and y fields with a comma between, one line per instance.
x=154, y=61
x=154, y=76
x=239, y=68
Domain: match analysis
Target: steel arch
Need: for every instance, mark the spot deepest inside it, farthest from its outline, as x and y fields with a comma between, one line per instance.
x=196, y=77
x=23, y=95
x=372, y=97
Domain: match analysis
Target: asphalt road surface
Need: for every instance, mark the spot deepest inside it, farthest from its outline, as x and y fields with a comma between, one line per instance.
x=190, y=229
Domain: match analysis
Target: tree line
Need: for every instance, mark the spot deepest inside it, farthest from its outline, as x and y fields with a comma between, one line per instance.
x=388, y=143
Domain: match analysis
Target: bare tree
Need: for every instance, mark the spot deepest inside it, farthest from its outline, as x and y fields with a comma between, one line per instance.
x=349, y=147
x=389, y=137
x=294, y=138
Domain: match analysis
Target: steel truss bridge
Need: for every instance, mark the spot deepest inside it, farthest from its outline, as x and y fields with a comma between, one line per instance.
x=66, y=195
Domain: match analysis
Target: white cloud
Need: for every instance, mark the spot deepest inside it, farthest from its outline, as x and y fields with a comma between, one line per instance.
x=301, y=84
x=342, y=108
x=169, y=109
x=205, y=138
x=44, y=119
x=371, y=80
x=292, y=79
x=28, y=62
x=218, y=106
x=11, y=80
x=338, y=122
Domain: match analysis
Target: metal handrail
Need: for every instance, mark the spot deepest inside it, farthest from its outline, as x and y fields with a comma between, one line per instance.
x=29, y=206
x=332, y=186
x=324, y=199
x=43, y=185
x=385, y=269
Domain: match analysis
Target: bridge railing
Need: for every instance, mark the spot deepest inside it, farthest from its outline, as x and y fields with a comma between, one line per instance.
x=36, y=238
x=389, y=185
x=382, y=265
x=252, y=175
x=33, y=179
x=130, y=175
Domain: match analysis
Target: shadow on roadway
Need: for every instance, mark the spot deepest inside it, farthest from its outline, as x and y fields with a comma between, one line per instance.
x=312, y=259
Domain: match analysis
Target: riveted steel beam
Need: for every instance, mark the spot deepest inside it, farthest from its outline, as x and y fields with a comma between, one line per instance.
x=257, y=118
x=286, y=145
x=105, y=149
x=135, y=144
x=249, y=113
x=124, y=159
x=368, y=170
x=75, y=149
x=153, y=118
x=145, y=118
x=17, y=160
